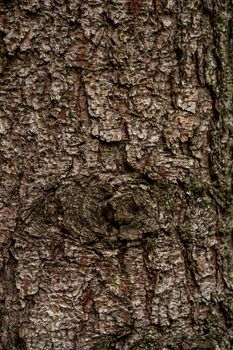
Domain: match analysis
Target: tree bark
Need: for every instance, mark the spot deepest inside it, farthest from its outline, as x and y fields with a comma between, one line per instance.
x=115, y=141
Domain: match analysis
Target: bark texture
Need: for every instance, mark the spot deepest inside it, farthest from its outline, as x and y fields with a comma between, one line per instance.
x=115, y=150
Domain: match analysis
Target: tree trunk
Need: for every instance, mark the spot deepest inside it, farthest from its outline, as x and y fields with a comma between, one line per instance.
x=115, y=189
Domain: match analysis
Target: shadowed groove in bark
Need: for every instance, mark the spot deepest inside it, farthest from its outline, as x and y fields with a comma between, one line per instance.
x=10, y=316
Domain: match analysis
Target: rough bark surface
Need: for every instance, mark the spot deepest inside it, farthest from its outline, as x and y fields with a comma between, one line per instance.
x=115, y=152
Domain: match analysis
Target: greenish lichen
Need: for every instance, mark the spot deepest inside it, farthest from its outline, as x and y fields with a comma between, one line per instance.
x=199, y=190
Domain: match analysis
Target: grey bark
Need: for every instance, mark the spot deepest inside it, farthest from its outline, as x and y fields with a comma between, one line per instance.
x=115, y=149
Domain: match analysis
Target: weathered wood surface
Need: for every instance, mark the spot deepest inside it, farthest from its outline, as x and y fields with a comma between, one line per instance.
x=115, y=150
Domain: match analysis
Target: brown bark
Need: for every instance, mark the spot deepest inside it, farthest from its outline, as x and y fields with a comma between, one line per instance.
x=115, y=141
